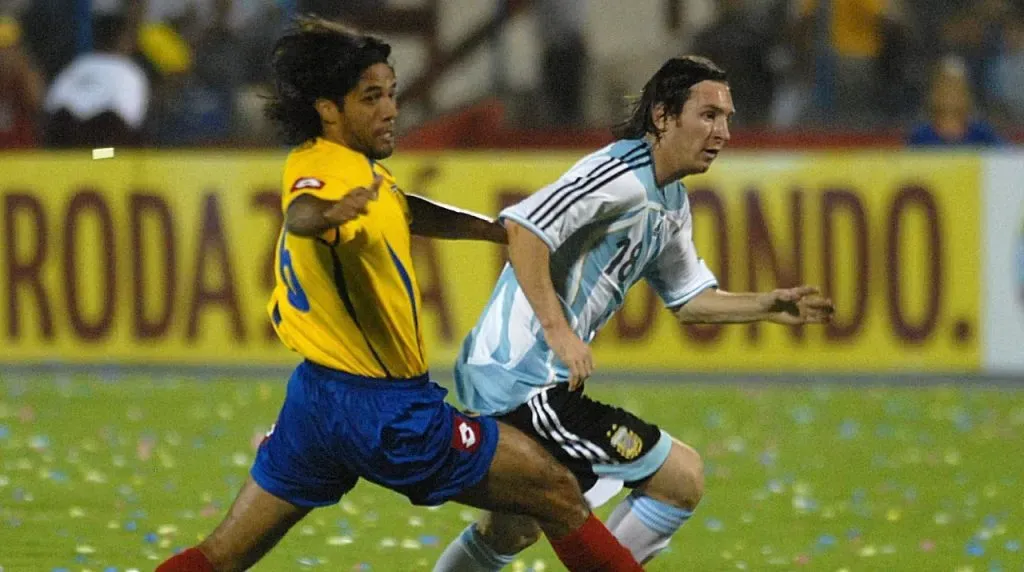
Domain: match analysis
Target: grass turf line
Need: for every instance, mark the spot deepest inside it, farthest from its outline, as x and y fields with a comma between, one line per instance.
x=101, y=475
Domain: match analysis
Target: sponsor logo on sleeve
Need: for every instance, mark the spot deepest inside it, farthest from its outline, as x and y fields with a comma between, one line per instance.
x=308, y=183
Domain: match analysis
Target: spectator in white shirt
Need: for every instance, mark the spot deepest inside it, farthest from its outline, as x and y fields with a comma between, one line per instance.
x=102, y=97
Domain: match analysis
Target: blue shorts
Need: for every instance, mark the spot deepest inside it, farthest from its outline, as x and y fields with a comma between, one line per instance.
x=336, y=427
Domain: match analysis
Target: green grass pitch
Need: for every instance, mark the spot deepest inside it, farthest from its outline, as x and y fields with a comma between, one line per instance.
x=107, y=475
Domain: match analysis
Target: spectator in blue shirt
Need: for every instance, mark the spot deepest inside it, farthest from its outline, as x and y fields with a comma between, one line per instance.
x=951, y=118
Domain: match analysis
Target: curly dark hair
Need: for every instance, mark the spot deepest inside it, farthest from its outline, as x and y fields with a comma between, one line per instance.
x=669, y=86
x=317, y=59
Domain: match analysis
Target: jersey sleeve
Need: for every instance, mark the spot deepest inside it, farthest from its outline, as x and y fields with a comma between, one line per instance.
x=318, y=184
x=330, y=181
x=590, y=191
x=677, y=274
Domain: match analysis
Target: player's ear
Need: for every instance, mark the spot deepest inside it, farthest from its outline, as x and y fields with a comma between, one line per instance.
x=659, y=117
x=327, y=109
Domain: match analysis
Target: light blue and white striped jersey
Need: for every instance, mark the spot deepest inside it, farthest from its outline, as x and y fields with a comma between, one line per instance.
x=608, y=226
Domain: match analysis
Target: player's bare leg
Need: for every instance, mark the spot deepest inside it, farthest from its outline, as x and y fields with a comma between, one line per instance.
x=648, y=518
x=680, y=480
x=489, y=544
x=508, y=533
x=525, y=479
x=256, y=522
x=671, y=494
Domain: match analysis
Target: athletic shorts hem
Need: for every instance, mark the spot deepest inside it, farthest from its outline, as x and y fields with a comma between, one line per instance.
x=593, y=440
x=268, y=484
x=641, y=469
x=481, y=466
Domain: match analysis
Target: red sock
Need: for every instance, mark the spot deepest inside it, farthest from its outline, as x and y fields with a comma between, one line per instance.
x=191, y=560
x=593, y=548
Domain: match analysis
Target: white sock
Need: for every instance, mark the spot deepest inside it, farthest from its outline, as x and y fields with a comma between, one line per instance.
x=469, y=553
x=644, y=525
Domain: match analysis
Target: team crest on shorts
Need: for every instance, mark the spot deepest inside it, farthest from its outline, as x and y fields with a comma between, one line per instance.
x=626, y=442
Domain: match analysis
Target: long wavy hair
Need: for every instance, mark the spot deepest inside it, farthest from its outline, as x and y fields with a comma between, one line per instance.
x=318, y=58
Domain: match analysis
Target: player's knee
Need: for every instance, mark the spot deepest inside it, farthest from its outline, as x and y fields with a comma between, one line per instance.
x=680, y=481
x=511, y=537
x=691, y=477
x=563, y=500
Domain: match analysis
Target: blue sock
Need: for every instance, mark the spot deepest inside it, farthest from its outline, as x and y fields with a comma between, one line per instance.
x=645, y=525
x=658, y=516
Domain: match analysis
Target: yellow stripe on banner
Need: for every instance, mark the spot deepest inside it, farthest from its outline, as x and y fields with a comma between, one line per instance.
x=168, y=258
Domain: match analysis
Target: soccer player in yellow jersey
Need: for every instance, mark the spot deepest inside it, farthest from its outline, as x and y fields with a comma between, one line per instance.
x=361, y=404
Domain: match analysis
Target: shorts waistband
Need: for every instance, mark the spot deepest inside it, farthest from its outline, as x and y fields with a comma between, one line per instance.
x=331, y=374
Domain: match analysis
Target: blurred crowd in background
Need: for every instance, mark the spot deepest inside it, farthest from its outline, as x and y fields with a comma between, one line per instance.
x=191, y=72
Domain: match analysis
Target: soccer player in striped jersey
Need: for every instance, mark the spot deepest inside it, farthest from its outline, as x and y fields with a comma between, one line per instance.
x=362, y=405
x=617, y=217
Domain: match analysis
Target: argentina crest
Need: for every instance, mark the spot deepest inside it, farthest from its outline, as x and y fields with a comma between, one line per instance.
x=626, y=442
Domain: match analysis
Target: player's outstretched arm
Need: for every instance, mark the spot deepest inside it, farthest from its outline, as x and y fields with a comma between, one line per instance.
x=800, y=305
x=530, y=259
x=312, y=216
x=438, y=220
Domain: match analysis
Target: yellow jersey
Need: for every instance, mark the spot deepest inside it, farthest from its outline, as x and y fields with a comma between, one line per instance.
x=855, y=25
x=348, y=299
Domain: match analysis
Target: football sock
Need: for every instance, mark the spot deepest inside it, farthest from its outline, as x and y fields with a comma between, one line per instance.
x=191, y=560
x=645, y=525
x=592, y=548
x=469, y=553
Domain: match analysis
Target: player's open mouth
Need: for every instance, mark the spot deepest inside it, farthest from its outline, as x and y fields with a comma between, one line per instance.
x=386, y=135
x=711, y=153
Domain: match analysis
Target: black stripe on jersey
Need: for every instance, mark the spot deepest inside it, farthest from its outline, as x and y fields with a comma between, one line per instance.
x=593, y=174
x=339, y=284
x=570, y=200
x=568, y=187
x=567, y=191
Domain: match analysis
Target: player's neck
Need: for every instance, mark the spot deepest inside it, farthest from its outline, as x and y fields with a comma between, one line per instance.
x=665, y=171
x=340, y=141
x=334, y=132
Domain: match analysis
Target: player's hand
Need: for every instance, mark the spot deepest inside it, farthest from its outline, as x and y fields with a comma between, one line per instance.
x=800, y=305
x=354, y=204
x=574, y=353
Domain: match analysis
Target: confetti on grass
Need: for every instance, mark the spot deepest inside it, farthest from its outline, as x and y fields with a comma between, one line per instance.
x=798, y=477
